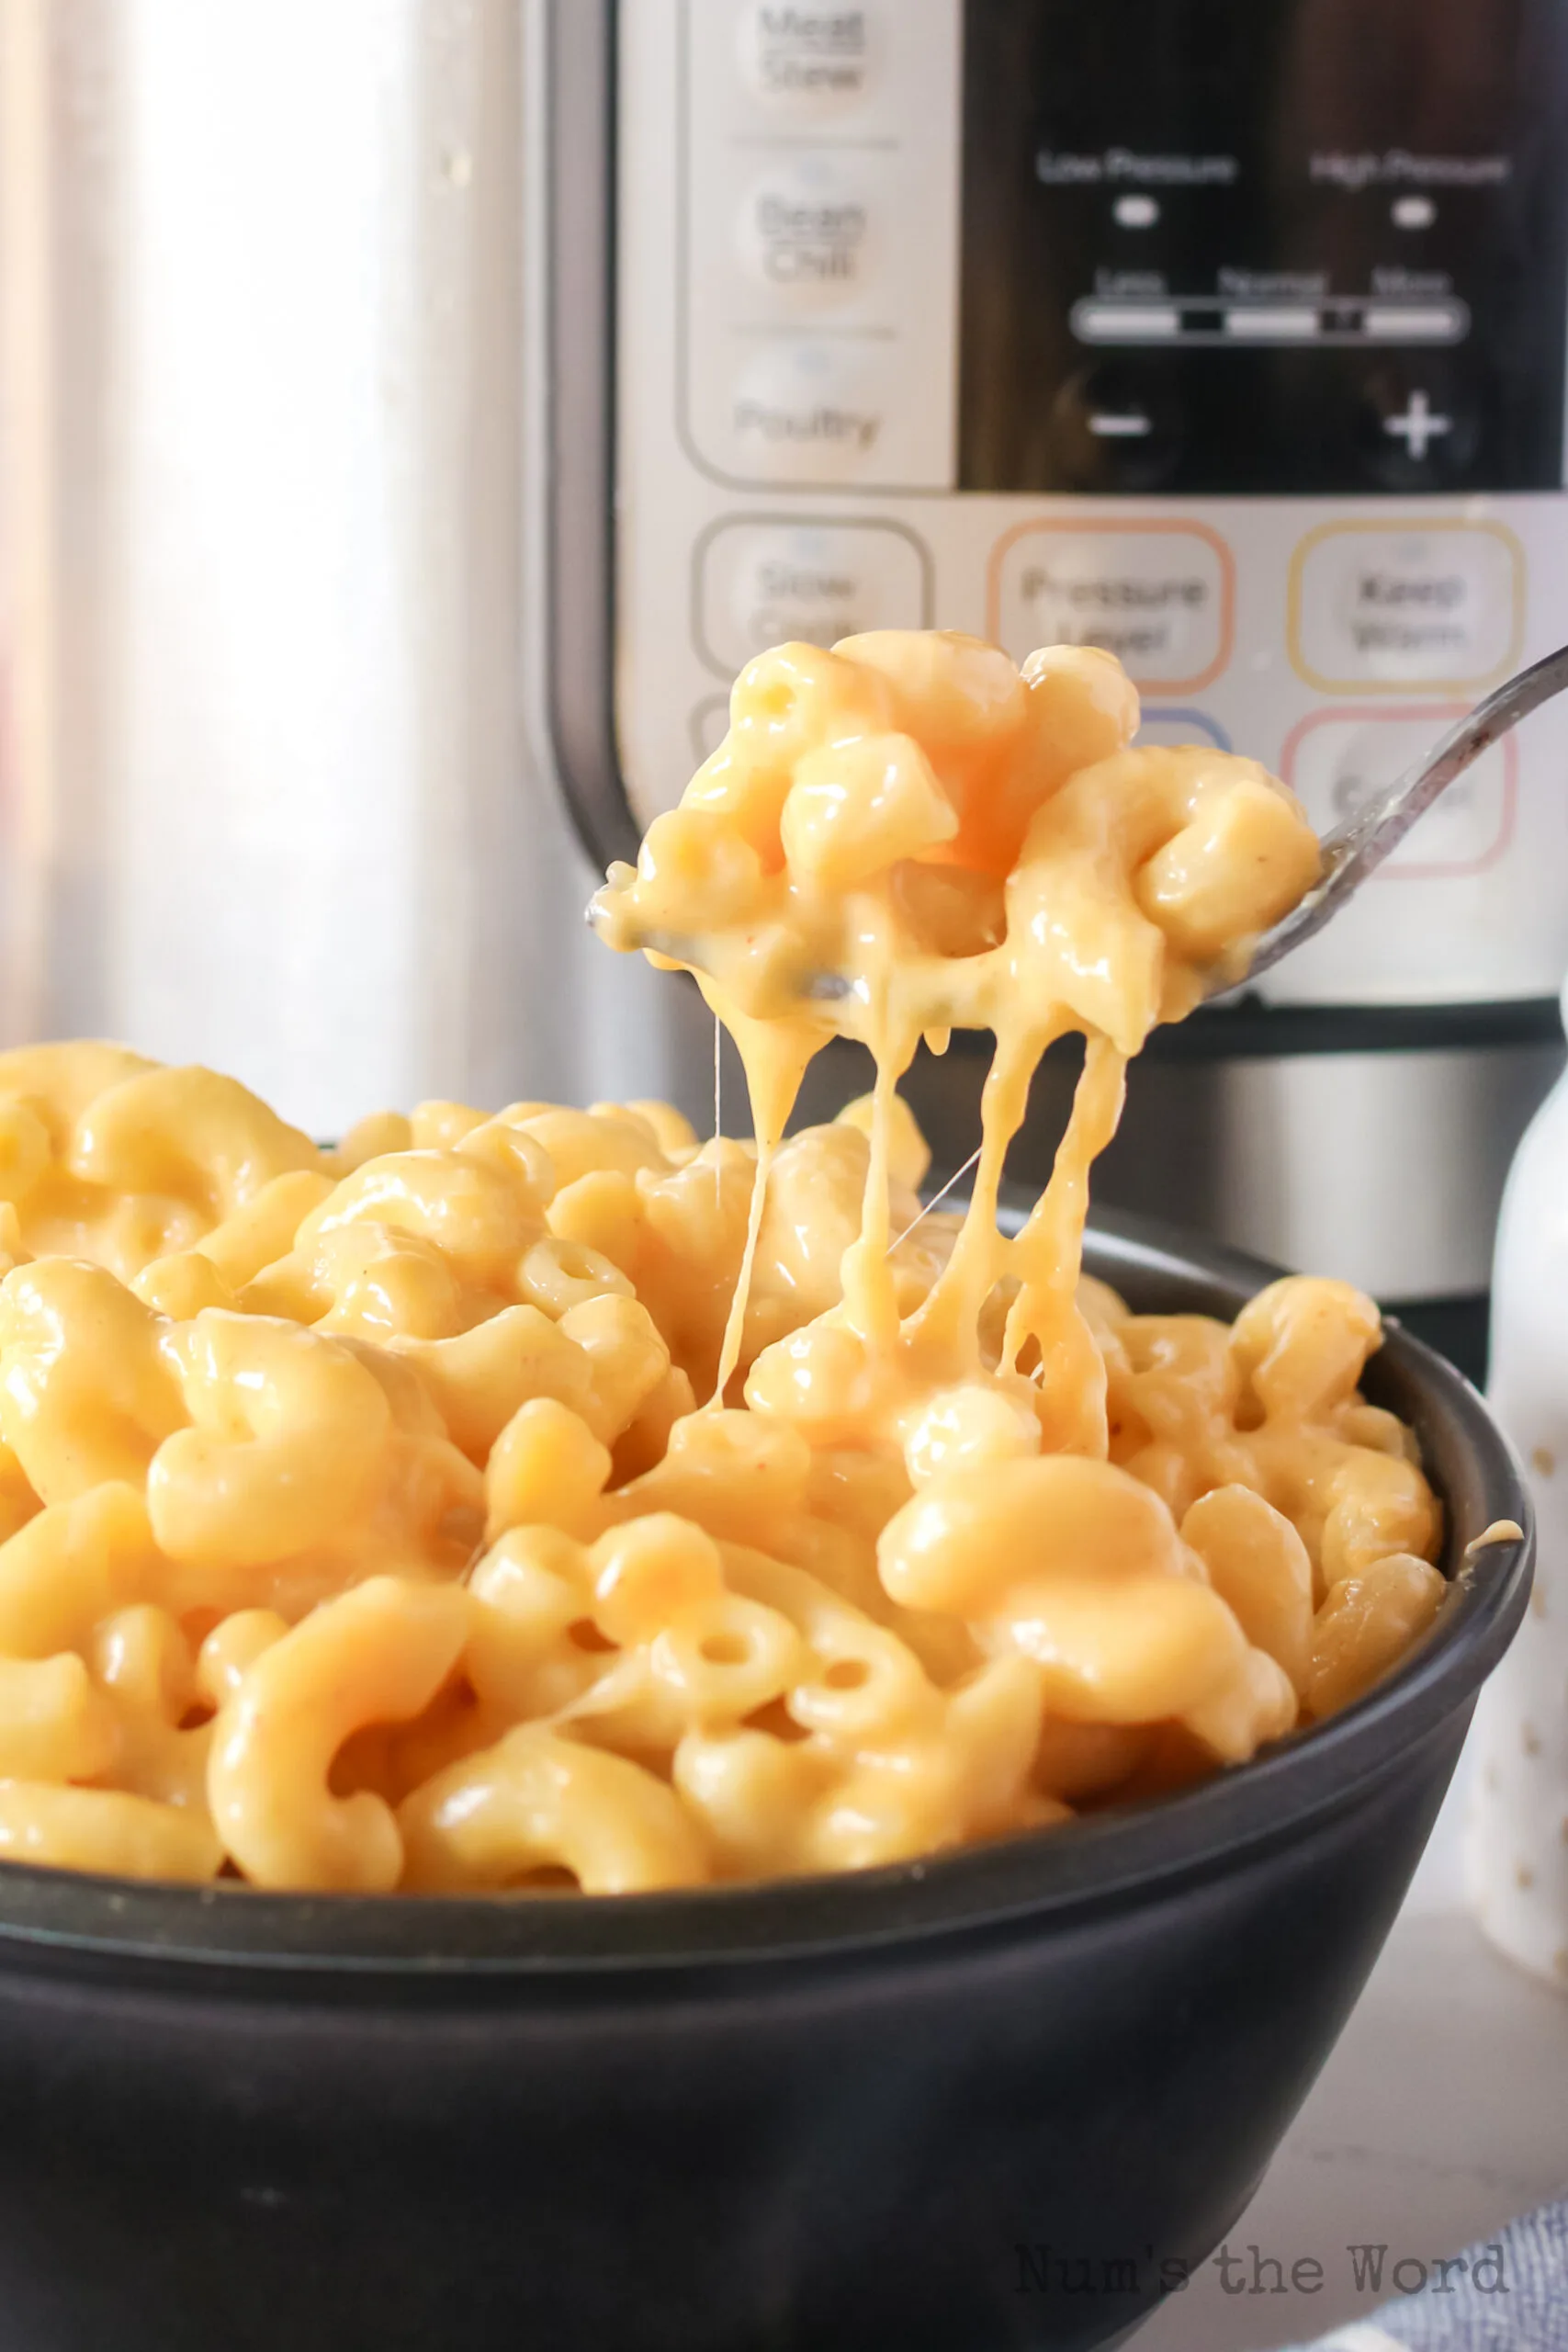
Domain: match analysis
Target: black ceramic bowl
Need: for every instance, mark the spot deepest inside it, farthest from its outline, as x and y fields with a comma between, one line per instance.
x=997, y=2100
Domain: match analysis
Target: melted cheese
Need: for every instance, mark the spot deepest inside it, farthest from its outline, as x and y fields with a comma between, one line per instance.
x=360, y=1526
x=909, y=835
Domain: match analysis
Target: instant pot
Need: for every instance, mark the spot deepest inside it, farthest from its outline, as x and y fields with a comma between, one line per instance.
x=411, y=415
x=1231, y=338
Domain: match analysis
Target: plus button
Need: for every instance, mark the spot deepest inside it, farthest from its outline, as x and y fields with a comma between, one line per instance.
x=1417, y=425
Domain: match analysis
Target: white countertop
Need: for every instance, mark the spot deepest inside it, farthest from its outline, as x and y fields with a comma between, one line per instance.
x=1442, y=2112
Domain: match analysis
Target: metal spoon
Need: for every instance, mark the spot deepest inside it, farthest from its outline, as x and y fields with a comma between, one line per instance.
x=1351, y=852
x=1359, y=847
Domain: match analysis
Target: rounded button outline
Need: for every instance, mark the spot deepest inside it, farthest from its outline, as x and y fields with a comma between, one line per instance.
x=1169, y=713
x=1440, y=715
x=710, y=707
x=775, y=521
x=1142, y=525
x=1387, y=528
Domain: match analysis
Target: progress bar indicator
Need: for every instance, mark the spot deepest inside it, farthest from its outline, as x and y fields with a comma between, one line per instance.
x=1343, y=320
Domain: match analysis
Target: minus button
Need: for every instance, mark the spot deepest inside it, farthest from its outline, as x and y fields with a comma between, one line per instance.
x=1116, y=425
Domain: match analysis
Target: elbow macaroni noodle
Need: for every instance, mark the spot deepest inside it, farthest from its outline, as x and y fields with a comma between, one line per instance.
x=550, y=1499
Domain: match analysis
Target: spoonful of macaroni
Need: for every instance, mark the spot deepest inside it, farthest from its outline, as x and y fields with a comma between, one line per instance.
x=908, y=835
x=868, y=804
x=962, y=844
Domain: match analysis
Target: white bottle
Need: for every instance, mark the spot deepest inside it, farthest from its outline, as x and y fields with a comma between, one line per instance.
x=1517, y=1833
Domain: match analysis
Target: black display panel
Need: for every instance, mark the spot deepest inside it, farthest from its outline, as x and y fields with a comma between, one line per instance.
x=1264, y=246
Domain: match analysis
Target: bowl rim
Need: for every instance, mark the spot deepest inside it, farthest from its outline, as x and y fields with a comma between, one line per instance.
x=1079, y=1867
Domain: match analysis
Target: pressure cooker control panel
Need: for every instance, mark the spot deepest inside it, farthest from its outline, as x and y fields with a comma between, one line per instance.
x=1231, y=338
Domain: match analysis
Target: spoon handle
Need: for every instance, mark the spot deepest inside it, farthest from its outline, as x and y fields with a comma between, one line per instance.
x=1356, y=848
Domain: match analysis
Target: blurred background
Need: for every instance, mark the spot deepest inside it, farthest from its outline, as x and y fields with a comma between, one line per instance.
x=267, y=796
x=412, y=411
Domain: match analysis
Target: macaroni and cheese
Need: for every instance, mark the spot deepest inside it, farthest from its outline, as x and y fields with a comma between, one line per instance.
x=552, y=1498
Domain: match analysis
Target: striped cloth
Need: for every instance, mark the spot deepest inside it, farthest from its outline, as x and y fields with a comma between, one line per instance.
x=1510, y=2295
